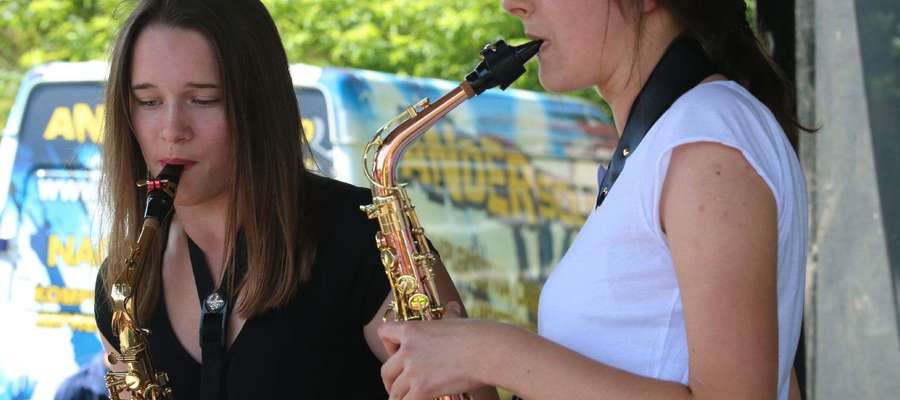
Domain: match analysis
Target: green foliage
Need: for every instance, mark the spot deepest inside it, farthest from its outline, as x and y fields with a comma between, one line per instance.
x=416, y=38
x=40, y=31
x=408, y=37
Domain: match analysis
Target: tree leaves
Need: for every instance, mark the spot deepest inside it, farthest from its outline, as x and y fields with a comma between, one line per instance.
x=409, y=37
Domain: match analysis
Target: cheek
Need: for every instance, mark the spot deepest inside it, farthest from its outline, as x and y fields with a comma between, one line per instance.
x=218, y=136
x=567, y=73
x=143, y=134
x=145, y=126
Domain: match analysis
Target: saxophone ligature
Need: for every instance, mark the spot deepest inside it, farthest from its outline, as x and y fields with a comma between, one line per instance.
x=140, y=380
x=405, y=253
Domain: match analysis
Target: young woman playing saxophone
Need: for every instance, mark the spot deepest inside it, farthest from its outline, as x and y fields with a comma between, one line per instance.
x=686, y=281
x=283, y=256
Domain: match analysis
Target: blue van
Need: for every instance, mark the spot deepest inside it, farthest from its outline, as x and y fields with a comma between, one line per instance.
x=501, y=184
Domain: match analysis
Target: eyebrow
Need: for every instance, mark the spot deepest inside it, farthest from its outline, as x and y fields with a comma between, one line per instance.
x=195, y=85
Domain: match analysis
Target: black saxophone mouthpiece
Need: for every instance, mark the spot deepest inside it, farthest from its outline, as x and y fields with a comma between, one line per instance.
x=501, y=65
x=171, y=172
x=161, y=192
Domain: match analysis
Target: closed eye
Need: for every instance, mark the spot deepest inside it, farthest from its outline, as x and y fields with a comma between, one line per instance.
x=147, y=103
x=205, y=102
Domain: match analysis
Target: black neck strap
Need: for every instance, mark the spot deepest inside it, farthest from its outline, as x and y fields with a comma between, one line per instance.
x=683, y=66
x=215, y=309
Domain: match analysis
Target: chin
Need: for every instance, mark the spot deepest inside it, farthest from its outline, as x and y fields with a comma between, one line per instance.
x=557, y=83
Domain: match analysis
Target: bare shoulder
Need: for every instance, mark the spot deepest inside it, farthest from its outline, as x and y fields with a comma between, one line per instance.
x=705, y=176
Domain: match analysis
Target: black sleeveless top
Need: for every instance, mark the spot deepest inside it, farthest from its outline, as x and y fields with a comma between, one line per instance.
x=313, y=348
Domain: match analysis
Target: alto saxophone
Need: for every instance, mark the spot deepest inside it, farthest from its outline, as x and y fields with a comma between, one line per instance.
x=140, y=380
x=406, y=255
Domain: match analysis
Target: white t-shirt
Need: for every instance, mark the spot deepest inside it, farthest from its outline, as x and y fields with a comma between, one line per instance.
x=614, y=296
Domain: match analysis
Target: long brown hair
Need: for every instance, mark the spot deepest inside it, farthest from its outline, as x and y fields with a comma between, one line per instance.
x=269, y=200
x=722, y=29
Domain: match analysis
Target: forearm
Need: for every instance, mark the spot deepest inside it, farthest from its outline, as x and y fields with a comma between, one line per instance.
x=446, y=288
x=535, y=369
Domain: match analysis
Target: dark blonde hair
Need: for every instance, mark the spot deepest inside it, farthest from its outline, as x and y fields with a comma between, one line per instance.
x=269, y=200
x=722, y=29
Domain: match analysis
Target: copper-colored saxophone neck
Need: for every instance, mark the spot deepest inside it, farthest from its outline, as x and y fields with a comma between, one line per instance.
x=394, y=144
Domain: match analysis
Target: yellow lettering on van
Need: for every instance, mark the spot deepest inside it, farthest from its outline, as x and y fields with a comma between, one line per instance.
x=60, y=124
x=548, y=207
x=570, y=214
x=497, y=203
x=451, y=166
x=78, y=124
x=309, y=128
x=473, y=172
x=78, y=322
x=88, y=124
x=62, y=295
x=436, y=156
x=85, y=253
x=56, y=249
x=521, y=202
x=415, y=166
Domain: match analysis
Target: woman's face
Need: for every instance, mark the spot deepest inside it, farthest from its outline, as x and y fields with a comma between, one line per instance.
x=179, y=110
x=584, y=40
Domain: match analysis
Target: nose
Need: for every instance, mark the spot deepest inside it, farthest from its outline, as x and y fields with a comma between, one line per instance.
x=175, y=127
x=518, y=8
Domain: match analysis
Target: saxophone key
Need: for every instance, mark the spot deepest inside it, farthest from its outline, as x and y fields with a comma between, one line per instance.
x=390, y=313
x=380, y=241
x=388, y=258
x=407, y=284
x=371, y=211
x=418, y=302
x=132, y=381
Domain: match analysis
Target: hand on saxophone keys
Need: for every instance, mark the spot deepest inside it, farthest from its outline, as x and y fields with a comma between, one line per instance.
x=435, y=359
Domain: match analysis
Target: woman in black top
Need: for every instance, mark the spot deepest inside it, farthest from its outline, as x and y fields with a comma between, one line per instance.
x=205, y=84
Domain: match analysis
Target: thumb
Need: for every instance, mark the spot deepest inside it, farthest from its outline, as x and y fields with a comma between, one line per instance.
x=389, y=332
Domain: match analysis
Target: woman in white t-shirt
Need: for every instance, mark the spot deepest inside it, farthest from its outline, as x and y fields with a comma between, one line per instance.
x=687, y=281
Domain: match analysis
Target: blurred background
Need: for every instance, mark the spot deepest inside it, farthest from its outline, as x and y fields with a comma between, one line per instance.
x=844, y=56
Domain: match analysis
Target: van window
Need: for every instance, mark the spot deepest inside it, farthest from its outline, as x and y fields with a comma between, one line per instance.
x=316, y=128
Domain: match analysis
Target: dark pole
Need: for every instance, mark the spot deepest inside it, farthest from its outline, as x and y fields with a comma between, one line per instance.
x=775, y=21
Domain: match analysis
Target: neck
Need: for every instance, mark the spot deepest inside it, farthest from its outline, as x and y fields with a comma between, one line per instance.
x=205, y=224
x=622, y=87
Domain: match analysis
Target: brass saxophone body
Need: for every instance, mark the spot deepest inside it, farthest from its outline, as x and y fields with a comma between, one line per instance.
x=405, y=253
x=140, y=380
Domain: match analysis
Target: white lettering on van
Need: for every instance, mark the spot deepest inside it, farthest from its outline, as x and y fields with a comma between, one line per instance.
x=66, y=190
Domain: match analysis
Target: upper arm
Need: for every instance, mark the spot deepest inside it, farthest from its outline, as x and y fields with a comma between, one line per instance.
x=720, y=220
